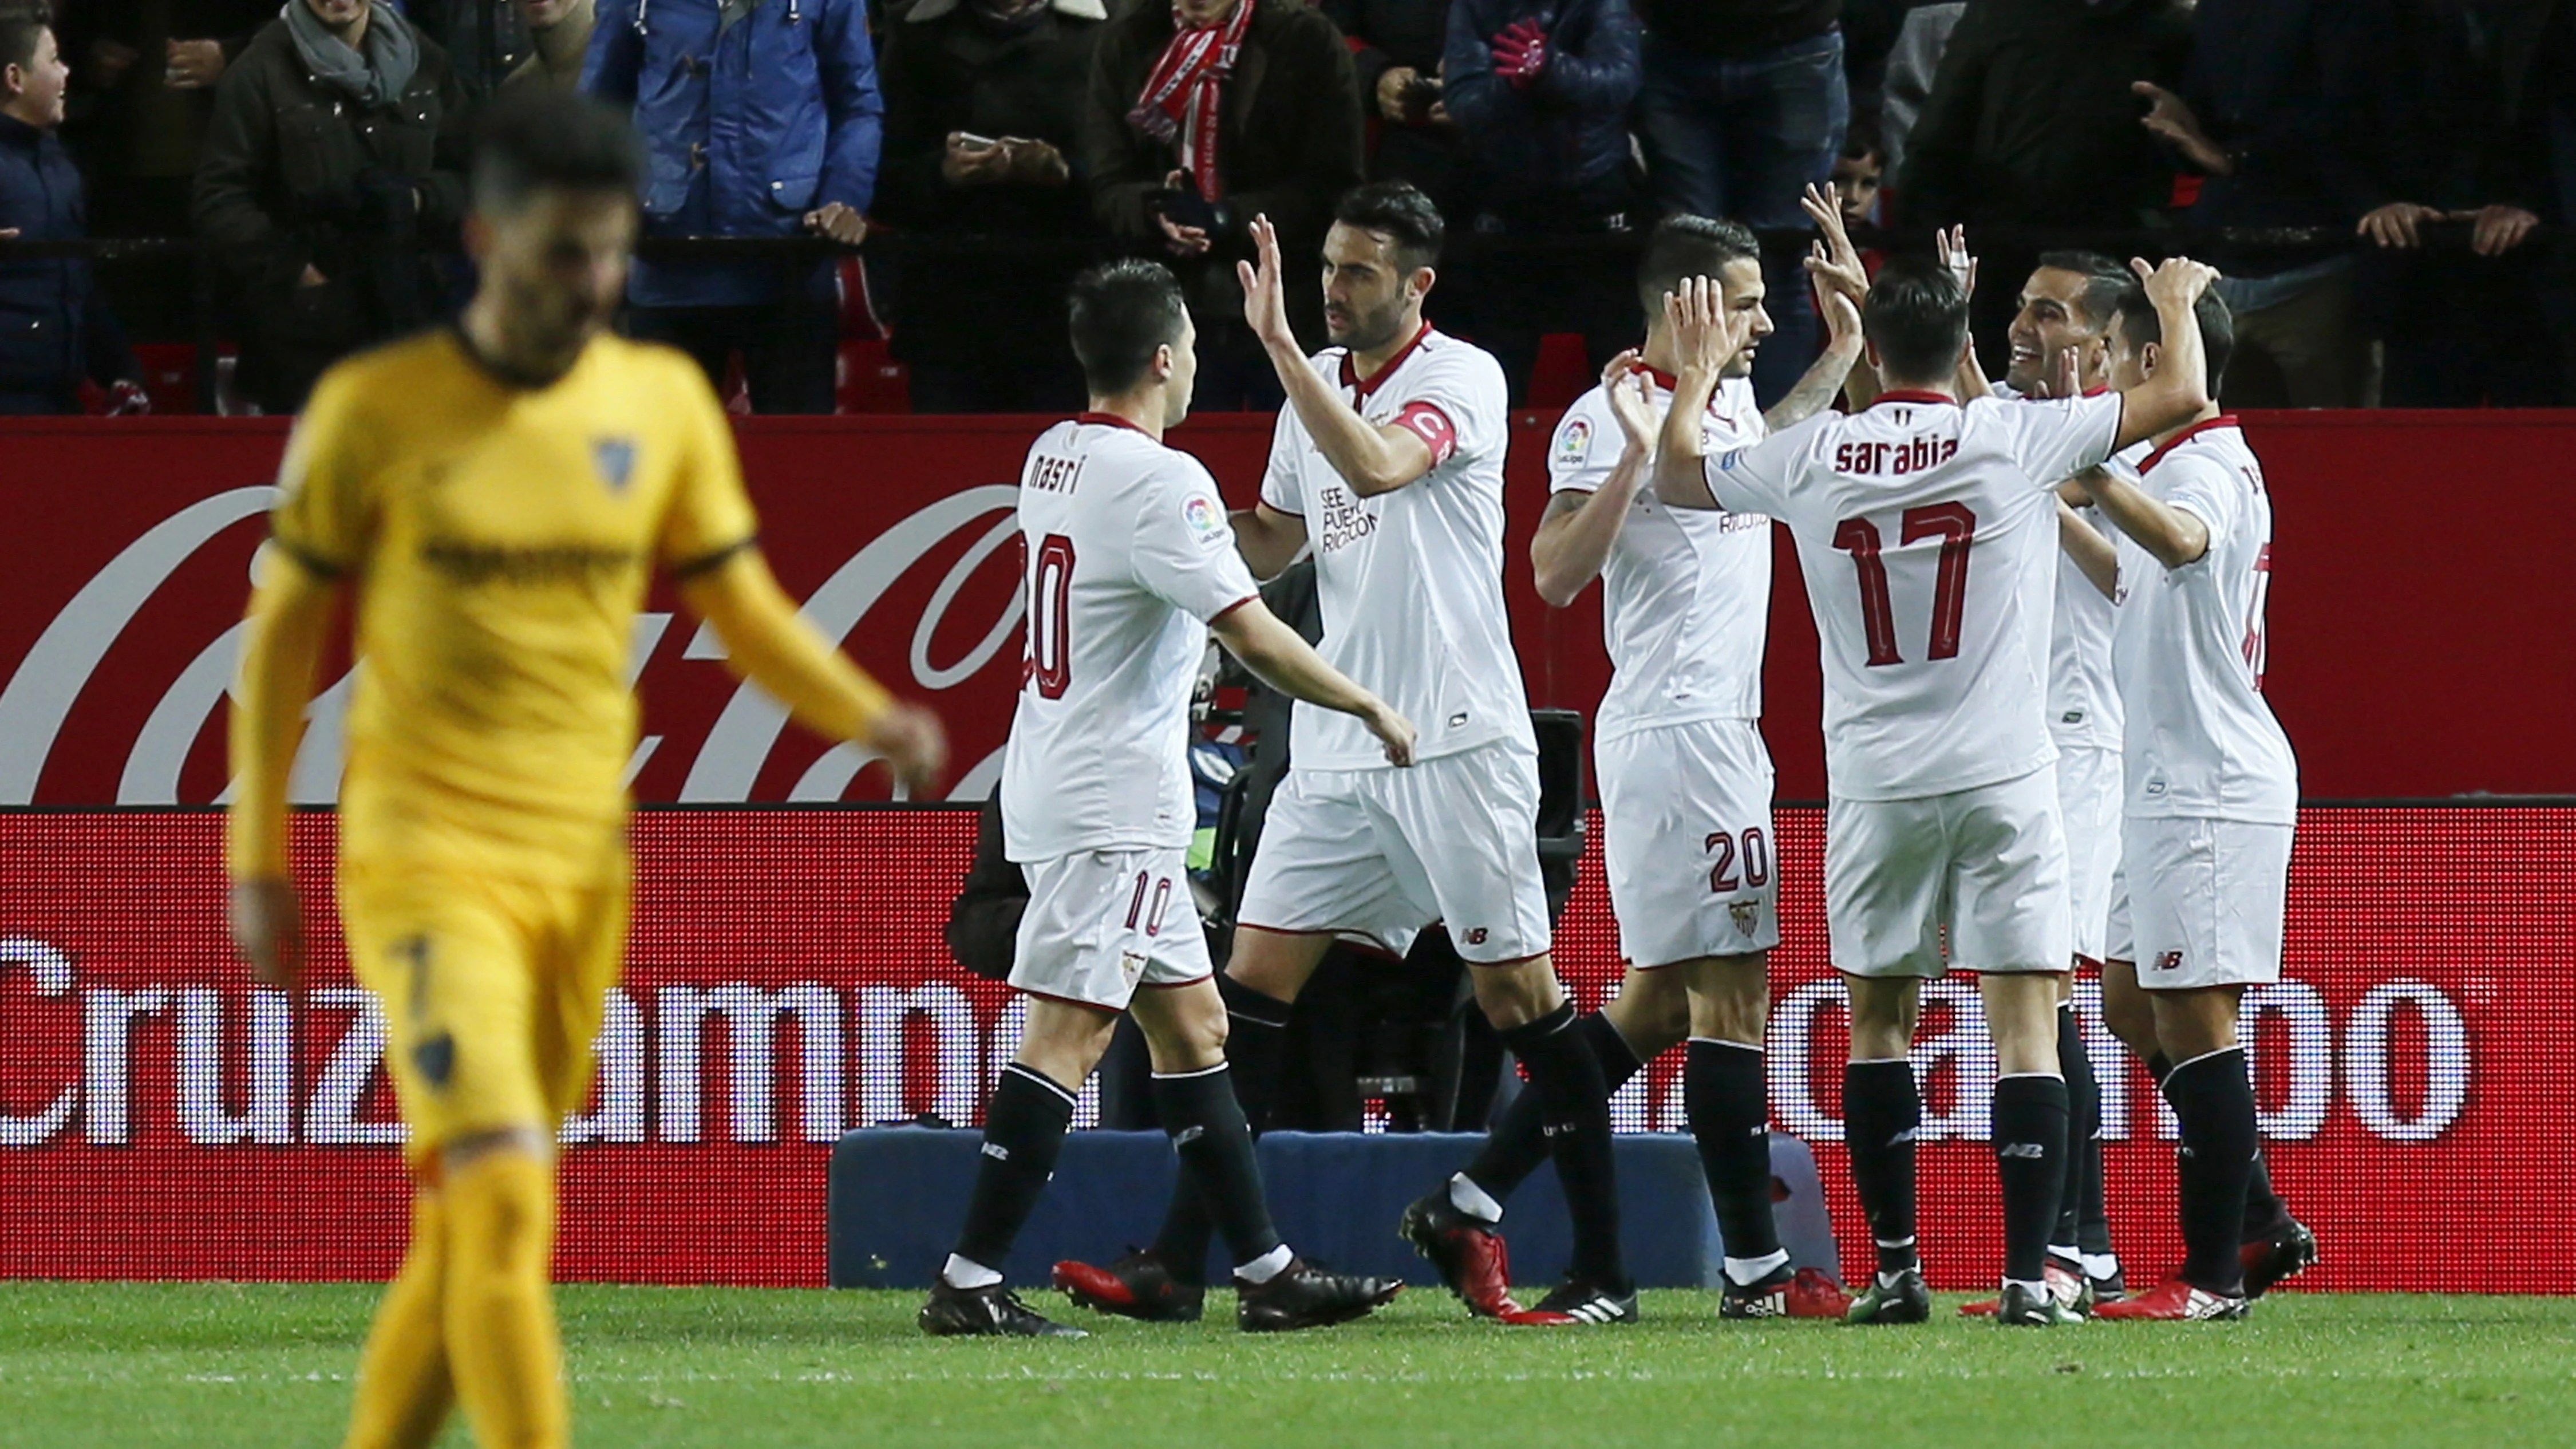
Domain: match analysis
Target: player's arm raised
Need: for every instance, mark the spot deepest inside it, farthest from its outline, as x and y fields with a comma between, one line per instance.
x=290, y=609
x=2093, y=554
x=1581, y=526
x=1840, y=283
x=2178, y=390
x=1370, y=458
x=1705, y=334
x=2173, y=536
x=1287, y=663
x=767, y=642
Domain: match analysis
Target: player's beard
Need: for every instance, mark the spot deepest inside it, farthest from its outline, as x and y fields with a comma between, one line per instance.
x=1367, y=331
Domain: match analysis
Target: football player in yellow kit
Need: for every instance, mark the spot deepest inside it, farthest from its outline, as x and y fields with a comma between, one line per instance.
x=498, y=494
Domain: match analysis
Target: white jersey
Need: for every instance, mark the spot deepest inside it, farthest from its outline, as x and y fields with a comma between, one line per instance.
x=1686, y=593
x=2189, y=645
x=1128, y=555
x=1928, y=537
x=1410, y=583
x=2083, y=700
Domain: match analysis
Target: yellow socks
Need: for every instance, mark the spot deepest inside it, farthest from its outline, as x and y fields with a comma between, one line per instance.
x=502, y=1345
x=403, y=1387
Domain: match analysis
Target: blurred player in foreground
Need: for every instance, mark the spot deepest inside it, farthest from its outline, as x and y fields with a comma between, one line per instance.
x=1131, y=564
x=499, y=494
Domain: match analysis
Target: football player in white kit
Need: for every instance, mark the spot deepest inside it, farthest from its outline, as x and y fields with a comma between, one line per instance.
x=1388, y=463
x=1130, y=565
x=1926, y=531
x=2212, y=803
x=1685, y=784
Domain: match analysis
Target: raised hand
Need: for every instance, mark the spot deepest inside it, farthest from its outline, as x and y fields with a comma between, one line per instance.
x=1705, y=333
x=1624, y=383
x=1952, y=245
x=1833, y=262
x=1265, y=294
x=2178, y=282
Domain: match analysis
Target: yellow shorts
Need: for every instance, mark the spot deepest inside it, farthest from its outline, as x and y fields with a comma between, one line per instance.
x=493, y=990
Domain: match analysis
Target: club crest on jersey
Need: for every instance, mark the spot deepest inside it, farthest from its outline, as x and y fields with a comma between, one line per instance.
x=615, y=460
x=1203, y=516
x=1131, y=966
x=1747, y=914
x=1574, y=442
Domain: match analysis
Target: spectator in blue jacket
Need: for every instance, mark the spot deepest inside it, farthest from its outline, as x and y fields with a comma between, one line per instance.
x=1541, y=90
x=761, y=118
x=54, y=332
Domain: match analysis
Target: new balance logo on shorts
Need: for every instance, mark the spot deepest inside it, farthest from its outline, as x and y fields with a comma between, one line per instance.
x=1477, y=936
x=2169, y=961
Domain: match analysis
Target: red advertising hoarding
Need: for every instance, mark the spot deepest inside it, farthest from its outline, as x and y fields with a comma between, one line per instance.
x=161, y=1118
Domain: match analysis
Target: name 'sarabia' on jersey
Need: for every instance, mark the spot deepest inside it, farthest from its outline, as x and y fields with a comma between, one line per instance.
x=1128, y=555
x=2083, y=699
x=1927, y=533
x=2189, y=645
x=1686, y=592
x=1410, y=583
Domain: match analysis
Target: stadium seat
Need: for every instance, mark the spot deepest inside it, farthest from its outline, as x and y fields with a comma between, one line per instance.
x=898, y=1194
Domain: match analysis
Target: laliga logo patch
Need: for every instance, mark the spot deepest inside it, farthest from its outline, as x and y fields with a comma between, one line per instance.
x=1203, y=516
x=615, y=460
x=1574, y=442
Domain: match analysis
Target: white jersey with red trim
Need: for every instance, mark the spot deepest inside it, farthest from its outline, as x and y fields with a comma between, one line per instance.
x=1686, y=593
x=1928, y=537
x=2083, y=698
x=1410, y=583
x=2189, y=645
x=1126, y=555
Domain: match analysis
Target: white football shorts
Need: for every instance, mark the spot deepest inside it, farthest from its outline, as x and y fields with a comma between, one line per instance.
x=2207, y=899
x=1988, y=864
x=1101, y=923
x=2090, y=789
x=1687, y=840
x=1380, y=854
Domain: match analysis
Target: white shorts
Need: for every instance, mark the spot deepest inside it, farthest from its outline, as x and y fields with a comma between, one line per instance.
x=1380, y=854
x=1101, y=923
x=2090, y=789
x=2119, y=940
x=1988, y=864
x=2207, y=898
x=1687, y=840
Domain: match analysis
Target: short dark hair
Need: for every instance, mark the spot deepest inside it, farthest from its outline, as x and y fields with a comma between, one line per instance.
x=1682, y=247
x=1397, y=210
x=20, y=24
x=1860, y=136
x=535, y=138
x=1120, y=313
x=2106, y=282
x=1917, y=315
x=2139, y=324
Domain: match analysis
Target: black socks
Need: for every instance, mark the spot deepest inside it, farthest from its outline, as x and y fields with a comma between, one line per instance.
x=2214, y=1099
x=1256, y=1040
x=1881, y=1111
x=2265, y=1213
x=1215, y=1146
x=2081, y=1193
x=2030, y=1157
x=1023, y=1131
x=1729, y=1101
x=1518, y=1143
x=1574, y=1105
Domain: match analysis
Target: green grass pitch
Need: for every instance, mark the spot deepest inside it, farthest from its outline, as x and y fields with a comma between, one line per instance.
x=219, y=1364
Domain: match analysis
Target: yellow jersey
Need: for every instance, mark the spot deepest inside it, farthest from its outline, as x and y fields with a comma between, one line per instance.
x=501, y=539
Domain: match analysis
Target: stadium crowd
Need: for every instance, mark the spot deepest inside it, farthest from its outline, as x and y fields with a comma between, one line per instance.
x=2390, y=181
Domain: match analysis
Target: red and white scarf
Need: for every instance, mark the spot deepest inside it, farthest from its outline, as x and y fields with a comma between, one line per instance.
x=1183, y=95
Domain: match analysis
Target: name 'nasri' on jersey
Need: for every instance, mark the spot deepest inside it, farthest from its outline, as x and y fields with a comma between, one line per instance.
x=1410, y=583
x=1129, y=557
x=1927, y=532
x=2189, y=644
x=1686, y=592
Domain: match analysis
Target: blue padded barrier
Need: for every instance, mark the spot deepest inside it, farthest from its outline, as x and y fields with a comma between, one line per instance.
x=898, y=1194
